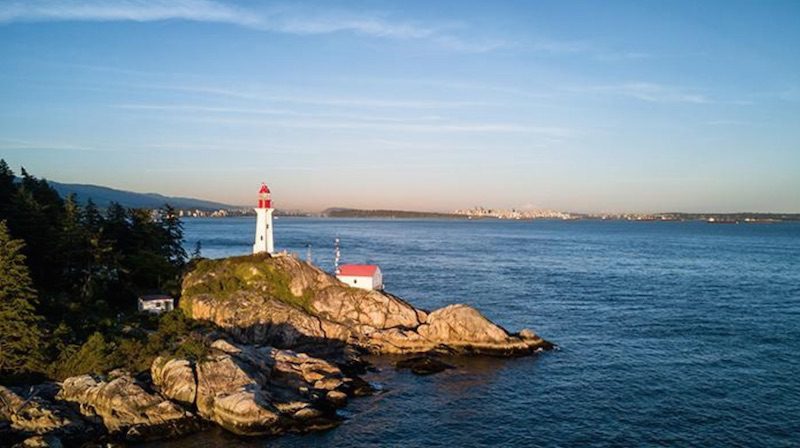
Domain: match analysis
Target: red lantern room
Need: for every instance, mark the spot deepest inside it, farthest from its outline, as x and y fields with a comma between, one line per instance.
x=264, y=197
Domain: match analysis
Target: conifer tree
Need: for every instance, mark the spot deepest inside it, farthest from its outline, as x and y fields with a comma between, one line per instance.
x=173, y=236
x=21, y=340
x=7, y=189
x=92, y=218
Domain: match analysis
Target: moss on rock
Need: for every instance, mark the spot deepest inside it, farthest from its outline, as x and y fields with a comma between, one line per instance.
x=224, y=278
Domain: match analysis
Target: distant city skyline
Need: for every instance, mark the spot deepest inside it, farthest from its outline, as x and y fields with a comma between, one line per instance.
x=625, y=106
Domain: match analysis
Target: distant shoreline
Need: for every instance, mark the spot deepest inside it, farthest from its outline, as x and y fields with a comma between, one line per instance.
x=714, y=218
x=711, y=218
x=196, y=208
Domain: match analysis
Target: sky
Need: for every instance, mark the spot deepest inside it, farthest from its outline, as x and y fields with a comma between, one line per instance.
x=585, y=106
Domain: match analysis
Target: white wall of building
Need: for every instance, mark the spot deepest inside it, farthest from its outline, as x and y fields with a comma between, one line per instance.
x=264, y=241
x=156, y=306
x=374, y=282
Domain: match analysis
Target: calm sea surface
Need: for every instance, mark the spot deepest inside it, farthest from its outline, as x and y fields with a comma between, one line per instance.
x=670, y=334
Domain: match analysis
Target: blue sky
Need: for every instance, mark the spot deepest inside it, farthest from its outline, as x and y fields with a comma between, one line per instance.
x=581, y=106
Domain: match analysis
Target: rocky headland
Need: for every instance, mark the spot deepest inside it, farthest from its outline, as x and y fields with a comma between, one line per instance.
x=287, y=302
x=284, y=355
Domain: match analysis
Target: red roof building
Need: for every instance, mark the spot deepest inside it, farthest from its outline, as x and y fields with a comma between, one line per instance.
x=364, y=276
x=358, y=270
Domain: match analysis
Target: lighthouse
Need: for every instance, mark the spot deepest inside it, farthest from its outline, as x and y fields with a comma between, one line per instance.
x=264, y=241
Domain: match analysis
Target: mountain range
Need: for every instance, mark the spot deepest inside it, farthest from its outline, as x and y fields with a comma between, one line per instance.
x=103, y=196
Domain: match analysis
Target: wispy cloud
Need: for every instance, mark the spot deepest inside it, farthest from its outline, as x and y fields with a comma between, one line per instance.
x=319, y=100
x=182, y=108
x=590, y=49
x=125, y=10
x=552, y=132
x=26, y=145
x=650, y=92
x=344, y=121
x=291, y=19
x=611, y=56
x=457, y=85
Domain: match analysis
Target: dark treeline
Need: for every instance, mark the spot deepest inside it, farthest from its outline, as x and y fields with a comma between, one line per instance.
x=70, y=275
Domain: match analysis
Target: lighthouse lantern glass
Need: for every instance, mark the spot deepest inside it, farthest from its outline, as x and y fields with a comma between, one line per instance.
x=264, y=197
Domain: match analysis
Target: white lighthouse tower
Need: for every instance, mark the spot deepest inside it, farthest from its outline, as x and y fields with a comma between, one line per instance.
x=264, y=241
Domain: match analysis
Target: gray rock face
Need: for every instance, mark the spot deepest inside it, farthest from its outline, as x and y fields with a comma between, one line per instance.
x=230, y=395
x=126, y=409
x=257, y=318
x=252, y=390
x=528, y=334
x=284, y=301
x=38, y=416
x=364, y=311
x=175, y=379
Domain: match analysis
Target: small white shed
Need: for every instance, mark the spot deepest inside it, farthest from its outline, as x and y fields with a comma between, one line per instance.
x=156, y=303
x=364, y=276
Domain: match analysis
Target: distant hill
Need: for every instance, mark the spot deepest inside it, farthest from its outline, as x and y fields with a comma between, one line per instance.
x=103, y=196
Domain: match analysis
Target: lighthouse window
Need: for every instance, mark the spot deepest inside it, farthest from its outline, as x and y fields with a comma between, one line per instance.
x=262, y=237
x=355, y=281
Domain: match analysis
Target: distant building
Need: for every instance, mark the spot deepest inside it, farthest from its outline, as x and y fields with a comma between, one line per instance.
x=156, y=303
x=364, y=276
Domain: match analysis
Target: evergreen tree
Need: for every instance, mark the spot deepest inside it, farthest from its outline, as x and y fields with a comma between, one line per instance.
x=173, y=236
x=7, y=189
x=73, y=243
x=79, y=269
x=117, y=226
x=102, y=269
x=92, y=218
x=35, y=217
x=20, y=334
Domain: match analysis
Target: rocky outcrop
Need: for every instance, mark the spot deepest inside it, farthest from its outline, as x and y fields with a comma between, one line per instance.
x=175, y=379
x=457, y=329
x=246, y=389
x=257, y=390
x=126, y=409
x=283, y=301
x=37, y=416
x=229, y=394
x=423, y=365
x=294, y=328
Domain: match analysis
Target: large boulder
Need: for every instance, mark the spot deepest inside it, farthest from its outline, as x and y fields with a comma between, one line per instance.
x=255, y=317
x=461, y=324
x=175, y=379
x=230, y=395
x=261, y=390
x=126, y=409
x=363, y=311
x=286, y=302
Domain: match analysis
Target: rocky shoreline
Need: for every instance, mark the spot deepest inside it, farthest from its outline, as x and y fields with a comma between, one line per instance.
x=285, y=355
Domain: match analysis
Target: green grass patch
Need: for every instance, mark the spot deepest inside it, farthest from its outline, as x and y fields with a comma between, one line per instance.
x=259, y=274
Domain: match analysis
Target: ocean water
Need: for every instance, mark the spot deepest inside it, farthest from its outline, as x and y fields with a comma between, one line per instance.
x=669, y=333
